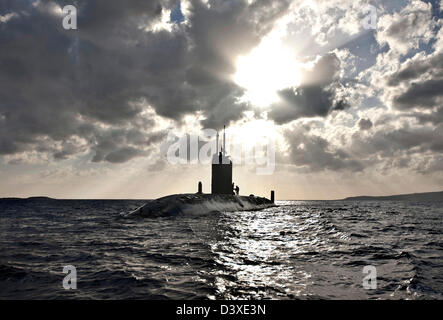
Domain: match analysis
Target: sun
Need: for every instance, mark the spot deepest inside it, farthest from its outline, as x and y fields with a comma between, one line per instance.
x=269, y=67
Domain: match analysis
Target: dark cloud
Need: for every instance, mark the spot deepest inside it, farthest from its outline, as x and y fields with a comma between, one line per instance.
x=434, y=117
x=419, y=83
x=101, y=17
x=398, y=142
x=316, y=96
x=416, y=68
x=122, y=154
x=315, y=153
x=416, y=148
x=426, y=94
x=110, y=145
x=365, y=124
x=68, y=149
x=58, y=84
x=433, y=165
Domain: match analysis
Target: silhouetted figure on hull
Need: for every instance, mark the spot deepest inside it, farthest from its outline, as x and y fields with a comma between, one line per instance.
x=237, y=190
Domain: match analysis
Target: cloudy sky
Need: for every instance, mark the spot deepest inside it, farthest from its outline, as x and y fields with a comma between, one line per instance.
x=351, y=110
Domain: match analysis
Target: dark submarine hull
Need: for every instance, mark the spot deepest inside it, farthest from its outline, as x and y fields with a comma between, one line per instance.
x=199, y=204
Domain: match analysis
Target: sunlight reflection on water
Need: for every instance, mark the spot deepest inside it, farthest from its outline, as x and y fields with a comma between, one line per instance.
x=301, y=249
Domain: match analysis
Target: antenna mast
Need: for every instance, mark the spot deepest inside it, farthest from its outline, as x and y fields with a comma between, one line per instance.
x=224, y=140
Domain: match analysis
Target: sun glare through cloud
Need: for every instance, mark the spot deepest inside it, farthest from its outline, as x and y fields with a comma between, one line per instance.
x=269, y=67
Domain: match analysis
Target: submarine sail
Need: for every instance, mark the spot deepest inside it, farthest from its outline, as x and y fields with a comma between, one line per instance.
x=221, y=182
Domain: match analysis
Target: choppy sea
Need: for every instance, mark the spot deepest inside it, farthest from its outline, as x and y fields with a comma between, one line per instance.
x=298, y=250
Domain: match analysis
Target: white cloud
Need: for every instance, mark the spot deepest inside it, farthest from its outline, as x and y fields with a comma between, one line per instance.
x=405, y=30
x=439, y=44
x=5, y=18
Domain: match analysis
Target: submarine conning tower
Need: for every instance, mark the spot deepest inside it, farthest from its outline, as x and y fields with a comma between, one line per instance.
x=221, y=182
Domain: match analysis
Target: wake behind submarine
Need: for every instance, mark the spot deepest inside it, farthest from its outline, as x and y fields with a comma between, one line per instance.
x=221, y=198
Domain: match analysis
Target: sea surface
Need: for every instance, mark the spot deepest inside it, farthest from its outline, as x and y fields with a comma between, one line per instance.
x=298, y=250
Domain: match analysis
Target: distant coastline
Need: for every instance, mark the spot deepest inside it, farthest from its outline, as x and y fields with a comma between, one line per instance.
x=425, y=196
x=28, y=198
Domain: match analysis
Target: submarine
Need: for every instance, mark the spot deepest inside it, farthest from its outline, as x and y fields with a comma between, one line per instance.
x=221, y=199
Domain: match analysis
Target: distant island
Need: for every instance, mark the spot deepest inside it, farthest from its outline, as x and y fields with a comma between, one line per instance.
x=29, y=198
x=426, y=196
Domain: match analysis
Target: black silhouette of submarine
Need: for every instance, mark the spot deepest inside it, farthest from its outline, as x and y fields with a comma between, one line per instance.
x=222, y=197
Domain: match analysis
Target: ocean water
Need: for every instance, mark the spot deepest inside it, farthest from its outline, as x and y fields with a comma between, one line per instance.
x=299, y=250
